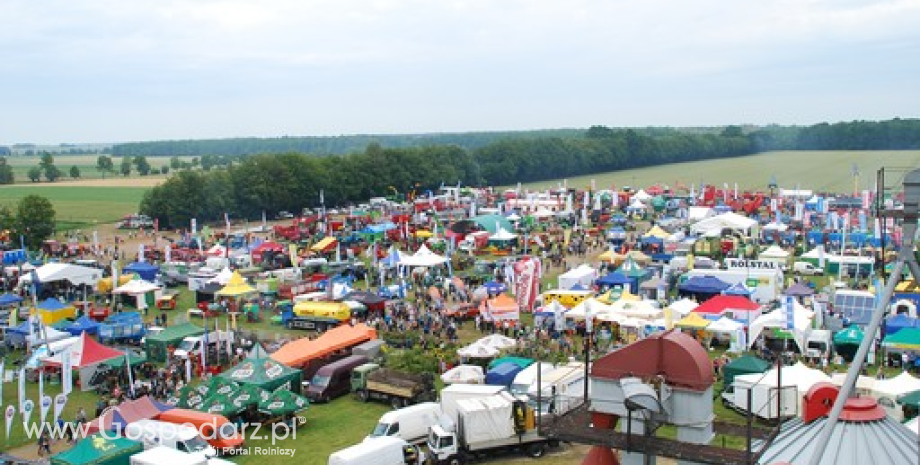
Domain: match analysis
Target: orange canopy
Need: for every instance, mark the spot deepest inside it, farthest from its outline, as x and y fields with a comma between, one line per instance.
x=297, y=353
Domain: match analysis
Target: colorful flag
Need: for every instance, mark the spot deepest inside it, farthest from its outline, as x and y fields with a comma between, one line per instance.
x=60, y=401
x=66, y=372
x=22, y=388
x=10, y=413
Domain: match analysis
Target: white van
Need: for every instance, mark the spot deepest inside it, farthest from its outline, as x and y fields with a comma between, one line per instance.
x=805, y=268
x=161, y=454
x=185, y=439
x=410, y=423
x=379, y=451
x=192, y=344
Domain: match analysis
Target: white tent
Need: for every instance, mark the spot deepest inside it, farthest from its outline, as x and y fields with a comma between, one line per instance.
x=683, y=306
x=47, y=350
x=223, y=277
x=699, y=213
x=74, y=274
x=774, y=226
x=887, y=392
x=639, y=309
x=477, y=350
x=592, y=305
x=641, y=196
x=773, y=252
x=797, y=380
x=724, y=325
x=543, y=213
x=777, y=319
x=424, y=257
x=464, y=374
x=497, y=341
x=136, y=287
x=584, y=276
x=48, y=334
x=502, y=234
x=914, y=425
x=728, y=220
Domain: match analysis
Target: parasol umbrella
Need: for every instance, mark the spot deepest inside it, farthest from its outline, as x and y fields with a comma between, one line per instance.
x=282, y=403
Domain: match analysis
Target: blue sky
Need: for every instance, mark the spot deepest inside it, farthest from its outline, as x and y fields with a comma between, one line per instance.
x=116, y=70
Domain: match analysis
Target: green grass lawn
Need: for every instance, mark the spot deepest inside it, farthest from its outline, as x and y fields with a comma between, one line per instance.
x=80, y=204
x=817, y=170
x=85, y=163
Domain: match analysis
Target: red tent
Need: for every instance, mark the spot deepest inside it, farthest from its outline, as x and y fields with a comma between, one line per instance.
x=267, y=246
x=85, y=352
x=741, y=307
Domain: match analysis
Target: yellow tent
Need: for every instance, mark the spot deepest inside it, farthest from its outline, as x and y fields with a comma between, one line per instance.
x=656, y=232
x=638, y=257
x=324, y=244
x=423, y=233
x=612, y=257
x=614, y=295
x=693, y=321
x=236, y=287
x=105, y=285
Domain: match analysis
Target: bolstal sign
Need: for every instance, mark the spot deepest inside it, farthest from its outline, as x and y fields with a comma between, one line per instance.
x=734, y=263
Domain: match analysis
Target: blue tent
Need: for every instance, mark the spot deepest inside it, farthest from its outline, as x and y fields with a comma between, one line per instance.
x=703, y=285
x=495, y=287
x=12, y=257
x=899, y=322
x=84, y=323
x=9, y=299
x=737, y=289
x=146, y=271
x=613, y=279
x=51, y=304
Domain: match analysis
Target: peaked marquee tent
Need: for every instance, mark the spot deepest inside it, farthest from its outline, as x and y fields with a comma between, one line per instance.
x=85, y=355
x=265, y=373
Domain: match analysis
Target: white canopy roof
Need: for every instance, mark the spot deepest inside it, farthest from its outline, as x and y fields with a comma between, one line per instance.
x=592, y=305
x=639, y=309
x=136, y=287
x=502, y=234
x=774, y=226
x=477, y=350
x=74, y=274
x=729, y=220
x=777, y=319
x=543, y=213
x=914, y=425
x=798, y=375
x=48, y=334
x=899, y=385
x=641, y=195
x=223, y=277
x=774, y=251
x=497, y=341
x=424, y=257
x=683, y=306
x=724, y=325
x=464, y=374
x=699, y=213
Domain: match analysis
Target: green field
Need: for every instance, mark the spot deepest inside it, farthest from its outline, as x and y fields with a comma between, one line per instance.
x=86, y=164
x=815, y=170
x=77, y=205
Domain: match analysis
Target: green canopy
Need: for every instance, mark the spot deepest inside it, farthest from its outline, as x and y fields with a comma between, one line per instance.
x=491, y=223
x=282, y=402
x=519, y=361
x=99, y=450
x=851, y=335
x=265, y=373
x=247, y=395
x=219, y=404
x=911, y=398
x=905, y=339
x=119, y=362
x=188, y=397
x=222, y=387
x=158, y=345
x=744, y=365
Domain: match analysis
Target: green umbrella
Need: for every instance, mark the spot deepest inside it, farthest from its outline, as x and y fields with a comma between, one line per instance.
x=220, y=405
x=282, y=403
x=247, y=395
x=187, y=397
x=222, y=386
x=119, y=362
x=851, y=335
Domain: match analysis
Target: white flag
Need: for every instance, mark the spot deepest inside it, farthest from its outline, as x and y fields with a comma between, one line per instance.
x=188, y=370
x=229, y=342
x=22, y=389
x=204, y=352
x=60, y=401
x=2, y=375
x=130, y=374
x=27, y=407
x=44, y=405
x=10, y=413
x=66, y=372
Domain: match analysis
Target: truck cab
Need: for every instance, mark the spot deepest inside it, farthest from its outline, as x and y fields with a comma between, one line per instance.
x=442, y=445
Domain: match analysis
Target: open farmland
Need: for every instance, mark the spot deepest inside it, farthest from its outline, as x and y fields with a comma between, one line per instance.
x=86, y=163
x=817, y=170
x=81, y=203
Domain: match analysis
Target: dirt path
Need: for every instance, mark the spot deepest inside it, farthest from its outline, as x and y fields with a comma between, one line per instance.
x=144, y=181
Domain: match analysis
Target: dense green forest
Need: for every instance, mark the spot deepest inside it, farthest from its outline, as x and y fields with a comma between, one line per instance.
x=248, y=185
x=316, y=145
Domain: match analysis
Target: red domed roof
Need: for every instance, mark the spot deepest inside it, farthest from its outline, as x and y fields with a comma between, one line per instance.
x=672, y=354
